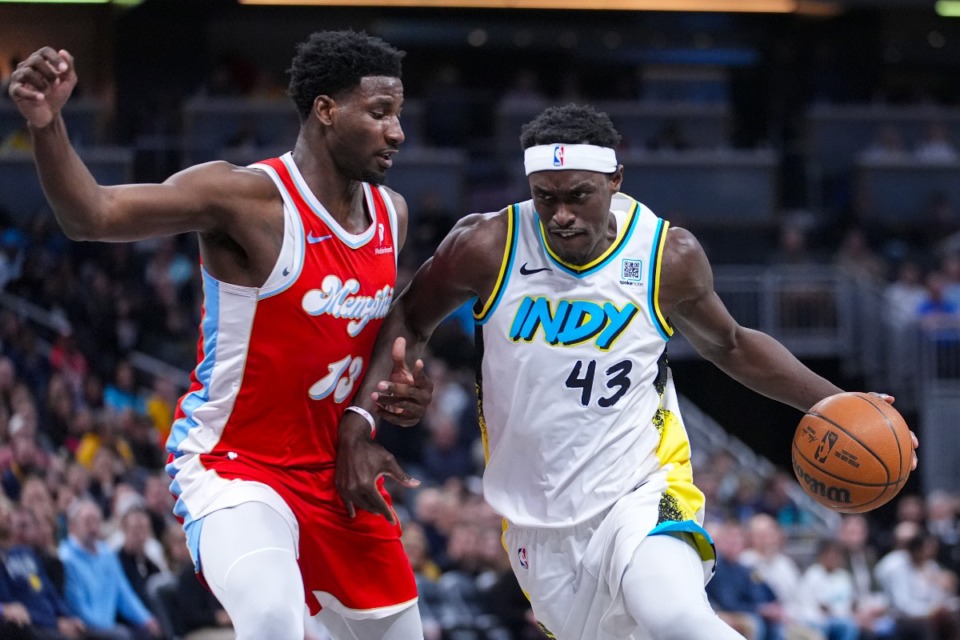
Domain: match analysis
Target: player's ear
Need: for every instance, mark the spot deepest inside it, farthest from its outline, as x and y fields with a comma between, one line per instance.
x=323, y=108
x=616, y=179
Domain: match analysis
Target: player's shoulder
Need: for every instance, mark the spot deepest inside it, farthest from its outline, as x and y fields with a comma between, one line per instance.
x=477, y=237
x=483, y=228
x=223, y=177
x=681, y=245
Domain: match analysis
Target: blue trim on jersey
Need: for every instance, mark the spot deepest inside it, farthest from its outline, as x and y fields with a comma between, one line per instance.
x=652, y=280
x=192, y=529
x=680, y=526
x=514, y=239
x=621, y=243
x=701, y=542
x=197, y=398
x=204, y=370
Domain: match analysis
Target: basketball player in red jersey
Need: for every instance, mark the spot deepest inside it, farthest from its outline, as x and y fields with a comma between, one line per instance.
x=299, y=264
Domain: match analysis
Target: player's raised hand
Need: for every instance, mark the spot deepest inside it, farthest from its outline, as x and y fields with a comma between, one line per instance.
x=404, y=398
x=361, y=462
x=42, y=84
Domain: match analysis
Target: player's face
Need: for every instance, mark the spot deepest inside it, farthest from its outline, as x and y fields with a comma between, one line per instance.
x=574, y=209
x=366, y=131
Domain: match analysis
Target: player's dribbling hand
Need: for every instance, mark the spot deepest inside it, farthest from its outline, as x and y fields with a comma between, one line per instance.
x=404, y=398
x=42, y=84
x=916, y=443
x=361, y=461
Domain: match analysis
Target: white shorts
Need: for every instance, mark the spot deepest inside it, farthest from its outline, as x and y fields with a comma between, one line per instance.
x=573, y=575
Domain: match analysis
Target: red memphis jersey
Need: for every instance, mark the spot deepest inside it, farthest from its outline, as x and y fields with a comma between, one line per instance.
x=278, y=364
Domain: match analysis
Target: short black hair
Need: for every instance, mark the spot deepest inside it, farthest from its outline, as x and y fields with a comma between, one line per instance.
x=570, y=124
x=331, y=62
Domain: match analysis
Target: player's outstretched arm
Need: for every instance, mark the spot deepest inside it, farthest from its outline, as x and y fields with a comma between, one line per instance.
x=465, y=265
x=751, y=357
x=195, y=200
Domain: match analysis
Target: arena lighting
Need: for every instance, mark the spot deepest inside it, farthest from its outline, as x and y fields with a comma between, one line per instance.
x=815, y=7
x=948, y=8
x=124, y=3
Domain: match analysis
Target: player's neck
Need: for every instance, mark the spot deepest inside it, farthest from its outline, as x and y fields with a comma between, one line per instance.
x=342, y=197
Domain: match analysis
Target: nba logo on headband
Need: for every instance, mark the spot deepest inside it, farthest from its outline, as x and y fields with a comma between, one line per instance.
x=558, y=156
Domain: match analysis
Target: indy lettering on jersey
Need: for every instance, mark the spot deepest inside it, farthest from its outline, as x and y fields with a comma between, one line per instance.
x=573, y=322
x=335, y=297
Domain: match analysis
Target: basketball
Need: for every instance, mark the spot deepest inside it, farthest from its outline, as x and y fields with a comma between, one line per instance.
x=852, y=452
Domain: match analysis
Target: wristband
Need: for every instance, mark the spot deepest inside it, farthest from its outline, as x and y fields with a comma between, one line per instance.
x=366, y=414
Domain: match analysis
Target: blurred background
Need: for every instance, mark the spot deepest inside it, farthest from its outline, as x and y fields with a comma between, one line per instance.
x=813, y=146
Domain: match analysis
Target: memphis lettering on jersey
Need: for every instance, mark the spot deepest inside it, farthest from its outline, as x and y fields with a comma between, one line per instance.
x=335, y=297
x=572, y=322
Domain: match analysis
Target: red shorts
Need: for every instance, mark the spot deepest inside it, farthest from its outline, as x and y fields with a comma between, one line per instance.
x=360, y=560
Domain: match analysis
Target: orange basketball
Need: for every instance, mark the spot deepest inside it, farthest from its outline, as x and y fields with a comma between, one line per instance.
x=852, y=452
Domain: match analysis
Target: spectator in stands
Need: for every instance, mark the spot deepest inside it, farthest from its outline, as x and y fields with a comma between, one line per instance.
x=161, y=405
x=138, y=432
x=871, y=608
x=936, y=145
x=939, y=319
x=39, y=534
x=923, y=596
x=67, y=359
x=426, y=572
x=105, y=436
x=26, y=456
x=939, y=223
x=778, y=502
x=903, y=296
x=943, y=524
x=33, y=366
x=27, y=597
x=829, y=595
x=888, y=145
x=856, y=258
x=194, y=612
x=444, y=455
x=803, y=302
x=737, y=594
x=158, y=502
x=12, y=244
x=950, y=265
x=765, y=556
x=137, y=566
x=122, y=392
x=57, y=412
x=96, y=588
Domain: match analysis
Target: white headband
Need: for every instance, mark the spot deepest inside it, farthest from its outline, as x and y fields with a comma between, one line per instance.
x=560, y=157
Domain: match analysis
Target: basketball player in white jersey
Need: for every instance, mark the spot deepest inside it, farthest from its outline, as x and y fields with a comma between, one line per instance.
x=579, y=289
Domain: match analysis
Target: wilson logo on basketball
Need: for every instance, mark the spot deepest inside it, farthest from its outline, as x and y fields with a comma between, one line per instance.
x=818, y=487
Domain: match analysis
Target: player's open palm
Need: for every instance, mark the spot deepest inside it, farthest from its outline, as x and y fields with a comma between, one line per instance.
x=42, y=84
x=361, y=462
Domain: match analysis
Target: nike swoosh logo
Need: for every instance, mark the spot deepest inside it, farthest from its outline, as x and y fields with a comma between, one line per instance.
x=526, y=272
x=312, y=239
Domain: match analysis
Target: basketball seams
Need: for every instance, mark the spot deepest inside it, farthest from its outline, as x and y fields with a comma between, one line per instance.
x=863, y=445
x=851, y=508
x=823, y=475
x=896, y=436
x=803, y=457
